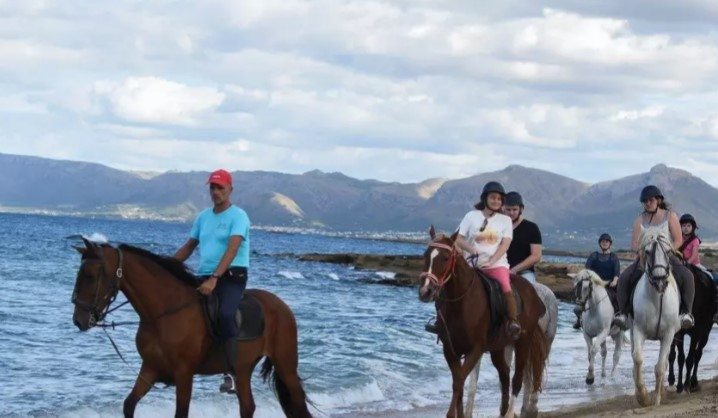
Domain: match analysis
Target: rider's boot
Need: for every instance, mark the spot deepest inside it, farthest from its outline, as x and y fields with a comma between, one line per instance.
x=512, y=313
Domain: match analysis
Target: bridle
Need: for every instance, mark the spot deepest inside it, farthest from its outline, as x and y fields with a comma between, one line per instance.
x=658, y=282
x=448, y=272
x=94, y=308
x=584, y=302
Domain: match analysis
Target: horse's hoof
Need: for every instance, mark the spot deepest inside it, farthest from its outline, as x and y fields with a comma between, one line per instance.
x=679, y=389
x=643, y=399
x=671, y=380
x=589, y=380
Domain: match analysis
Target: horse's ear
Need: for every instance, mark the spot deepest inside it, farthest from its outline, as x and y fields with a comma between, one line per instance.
x=91, y=249
x=572, y=275
x=432, y=232
x=81, y=250
x=454, y=236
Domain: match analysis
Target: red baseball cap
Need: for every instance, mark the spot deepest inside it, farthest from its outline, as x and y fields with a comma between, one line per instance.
x=221, y=177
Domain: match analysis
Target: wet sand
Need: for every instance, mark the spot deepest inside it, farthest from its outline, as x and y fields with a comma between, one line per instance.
x=703, y=403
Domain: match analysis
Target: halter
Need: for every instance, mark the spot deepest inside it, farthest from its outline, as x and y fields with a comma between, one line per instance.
x=96, y=313
x=440, y=281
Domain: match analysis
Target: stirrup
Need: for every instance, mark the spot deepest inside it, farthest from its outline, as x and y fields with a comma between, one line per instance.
x=687, y=321
x=577, y=324
x=227, y=385
x=514, y=329
x=431, y=327
x=619, y=320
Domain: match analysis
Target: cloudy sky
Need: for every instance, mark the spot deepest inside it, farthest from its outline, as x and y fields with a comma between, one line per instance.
x=398, y=90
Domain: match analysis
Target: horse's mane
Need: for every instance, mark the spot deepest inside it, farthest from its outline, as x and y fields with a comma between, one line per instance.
x=176, y=268
x=592, y=276
x=648, y=237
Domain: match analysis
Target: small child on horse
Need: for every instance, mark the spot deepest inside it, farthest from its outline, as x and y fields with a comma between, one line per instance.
x=690, y=249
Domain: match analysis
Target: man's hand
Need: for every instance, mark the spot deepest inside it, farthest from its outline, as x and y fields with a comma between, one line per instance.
x=208, y=286
x=513, y=271
x=614, y=282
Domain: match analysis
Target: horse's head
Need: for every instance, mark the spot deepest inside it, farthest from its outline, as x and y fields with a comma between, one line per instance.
x=583, y=285
x=654, y=253
x=439, y=260
x=95, y=288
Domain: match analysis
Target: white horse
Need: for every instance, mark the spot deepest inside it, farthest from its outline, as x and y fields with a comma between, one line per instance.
x=596, y=318
x=548, y=323
x=655, y=312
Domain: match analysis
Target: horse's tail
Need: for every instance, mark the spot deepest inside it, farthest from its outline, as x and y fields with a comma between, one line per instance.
x=291, y=409
x=538, y=356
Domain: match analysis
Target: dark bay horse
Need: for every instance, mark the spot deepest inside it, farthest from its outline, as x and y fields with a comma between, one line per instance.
x=703, y=310
x=172, y=338
x=462, y=306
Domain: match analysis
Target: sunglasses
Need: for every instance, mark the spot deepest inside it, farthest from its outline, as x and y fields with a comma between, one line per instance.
x=483, y=225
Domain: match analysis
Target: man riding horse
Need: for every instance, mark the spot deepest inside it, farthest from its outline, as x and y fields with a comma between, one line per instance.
x=222, y=233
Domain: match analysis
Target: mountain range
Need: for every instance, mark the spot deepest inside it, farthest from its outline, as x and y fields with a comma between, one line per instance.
x=567, y=210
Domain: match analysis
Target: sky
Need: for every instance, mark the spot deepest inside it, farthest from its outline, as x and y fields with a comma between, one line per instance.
x=400, y=90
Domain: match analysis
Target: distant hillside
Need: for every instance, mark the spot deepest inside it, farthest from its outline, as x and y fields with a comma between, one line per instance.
x=568, y=211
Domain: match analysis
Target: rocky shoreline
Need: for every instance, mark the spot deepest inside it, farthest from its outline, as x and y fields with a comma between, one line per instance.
x=406, y=268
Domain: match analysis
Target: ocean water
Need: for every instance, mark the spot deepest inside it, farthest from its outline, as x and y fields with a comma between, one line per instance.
x=363, y=351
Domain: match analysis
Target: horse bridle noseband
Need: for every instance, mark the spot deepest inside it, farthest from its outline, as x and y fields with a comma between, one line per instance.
x=448, y=271
x=96, y=313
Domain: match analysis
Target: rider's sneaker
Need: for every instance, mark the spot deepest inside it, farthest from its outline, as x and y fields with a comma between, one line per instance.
x=620, y=321
x=227, y=385
x=431, y=327
x=687, y=321
x=577, y=325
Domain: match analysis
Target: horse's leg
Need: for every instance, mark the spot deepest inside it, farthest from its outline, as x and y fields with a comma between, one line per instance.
x=604, y=353
x=591, y=355
x=690, y=361
x=699, y=353
x=455, y=367
x=470, y=362
x=617, y=343
x=521, y=361
x=671, y=360
x=183, y=390
x=145, y=379
x=661, y=366
x=681, y=362
x=243, y=379
x=498, y=358
x=637, y=339
x=471, y=392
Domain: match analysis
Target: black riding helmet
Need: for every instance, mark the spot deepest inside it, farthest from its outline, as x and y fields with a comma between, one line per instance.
x=490, y=187
x=649, y=192
x=688, y=219
x=513, y=199
x=605, y=237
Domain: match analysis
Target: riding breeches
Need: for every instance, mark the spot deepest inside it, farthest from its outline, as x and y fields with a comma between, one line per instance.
x=501, y=275
x=632, y=274
x=229, y=291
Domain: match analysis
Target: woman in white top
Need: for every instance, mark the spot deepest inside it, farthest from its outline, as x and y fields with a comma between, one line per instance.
x=485, y=234
x=656, y=216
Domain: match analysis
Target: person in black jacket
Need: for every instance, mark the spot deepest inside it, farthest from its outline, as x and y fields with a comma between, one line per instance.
x=606, y=265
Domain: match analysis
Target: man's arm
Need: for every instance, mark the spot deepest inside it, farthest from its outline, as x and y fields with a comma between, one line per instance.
x=529, y=261
x=232, y=247
x=186, y=250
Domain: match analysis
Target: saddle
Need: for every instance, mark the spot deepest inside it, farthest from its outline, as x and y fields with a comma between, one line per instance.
x=249, y=317
x=497, y=302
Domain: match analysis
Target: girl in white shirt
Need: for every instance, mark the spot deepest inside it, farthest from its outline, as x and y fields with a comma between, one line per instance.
x=486, y=233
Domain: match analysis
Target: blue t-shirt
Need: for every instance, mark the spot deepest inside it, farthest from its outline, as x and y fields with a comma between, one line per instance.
x=213, y=230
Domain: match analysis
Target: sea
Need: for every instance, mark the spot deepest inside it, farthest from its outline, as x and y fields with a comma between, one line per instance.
x=363, y=350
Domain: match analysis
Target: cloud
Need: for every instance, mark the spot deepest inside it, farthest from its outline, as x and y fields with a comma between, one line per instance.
x=396, y=90
x=156, y=100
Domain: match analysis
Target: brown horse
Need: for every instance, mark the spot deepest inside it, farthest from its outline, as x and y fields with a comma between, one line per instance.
x=172, y=338
x=462, y=306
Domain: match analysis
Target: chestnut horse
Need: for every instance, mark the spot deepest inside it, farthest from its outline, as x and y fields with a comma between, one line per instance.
x=172, y=337
x=464, y=321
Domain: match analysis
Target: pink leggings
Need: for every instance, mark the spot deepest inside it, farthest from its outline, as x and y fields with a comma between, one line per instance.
x=501, y=275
